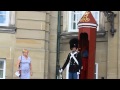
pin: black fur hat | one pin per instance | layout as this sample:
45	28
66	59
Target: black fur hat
73	43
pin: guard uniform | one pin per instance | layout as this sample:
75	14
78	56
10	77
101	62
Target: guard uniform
73	60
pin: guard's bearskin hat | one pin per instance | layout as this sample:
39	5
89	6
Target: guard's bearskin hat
73	43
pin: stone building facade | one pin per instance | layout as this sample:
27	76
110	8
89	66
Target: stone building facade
37	31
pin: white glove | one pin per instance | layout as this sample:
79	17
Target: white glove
61	70
78	72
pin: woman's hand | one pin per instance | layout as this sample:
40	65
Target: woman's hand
31	73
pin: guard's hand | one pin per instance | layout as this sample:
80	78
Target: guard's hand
78	72
77	50
82	67
61	70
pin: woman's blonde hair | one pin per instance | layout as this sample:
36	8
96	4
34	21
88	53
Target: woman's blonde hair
25	50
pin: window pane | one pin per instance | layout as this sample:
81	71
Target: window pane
96	15
74	25
2	19
71	26
71	20
1	73
78	15
2	12
74	16
1	64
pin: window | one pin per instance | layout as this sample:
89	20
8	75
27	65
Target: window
96	71
2	68
4	18
75	16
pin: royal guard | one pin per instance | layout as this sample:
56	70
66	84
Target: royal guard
73	61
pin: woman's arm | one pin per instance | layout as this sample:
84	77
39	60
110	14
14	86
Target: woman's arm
31	69
18	64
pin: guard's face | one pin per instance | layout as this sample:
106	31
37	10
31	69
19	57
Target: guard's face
74	49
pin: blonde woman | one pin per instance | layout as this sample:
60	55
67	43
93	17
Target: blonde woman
24	65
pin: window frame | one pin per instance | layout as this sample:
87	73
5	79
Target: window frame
7	20
4	68
76	30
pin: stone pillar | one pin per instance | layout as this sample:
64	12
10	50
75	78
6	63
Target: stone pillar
46	73
112	58
53	44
